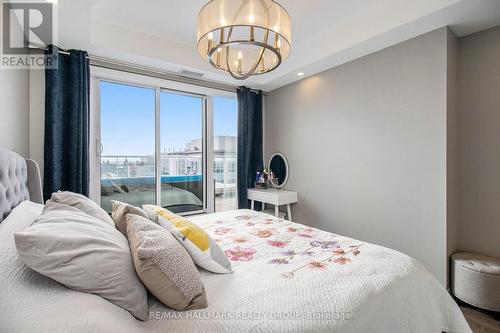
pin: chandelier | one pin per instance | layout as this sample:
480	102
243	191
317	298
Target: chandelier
244	37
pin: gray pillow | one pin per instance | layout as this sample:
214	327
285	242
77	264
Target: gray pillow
164	266
85	254
82	203
119	213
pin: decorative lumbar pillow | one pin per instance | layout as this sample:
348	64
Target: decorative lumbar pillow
164	266
202	248
119	214
83	203
85	254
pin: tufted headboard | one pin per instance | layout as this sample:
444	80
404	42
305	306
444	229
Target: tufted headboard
19	180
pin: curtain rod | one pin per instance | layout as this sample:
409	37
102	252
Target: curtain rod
108	63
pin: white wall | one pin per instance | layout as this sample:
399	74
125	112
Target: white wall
366	142
37	116
14	110
451	147
478	228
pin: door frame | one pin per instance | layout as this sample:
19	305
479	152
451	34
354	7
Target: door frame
99	74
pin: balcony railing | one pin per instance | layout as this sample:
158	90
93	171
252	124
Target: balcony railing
132	179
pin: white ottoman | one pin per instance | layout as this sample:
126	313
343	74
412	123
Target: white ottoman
475	279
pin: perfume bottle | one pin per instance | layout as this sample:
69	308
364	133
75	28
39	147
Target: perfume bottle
257	177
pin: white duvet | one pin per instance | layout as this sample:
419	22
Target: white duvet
287	278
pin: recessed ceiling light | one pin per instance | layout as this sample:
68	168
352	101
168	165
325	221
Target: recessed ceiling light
300	73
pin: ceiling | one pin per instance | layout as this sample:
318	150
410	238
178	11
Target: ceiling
325	33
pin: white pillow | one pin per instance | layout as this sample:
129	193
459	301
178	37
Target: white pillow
82	203
204	251
84	254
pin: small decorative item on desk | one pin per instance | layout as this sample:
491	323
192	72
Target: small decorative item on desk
273	180
261	179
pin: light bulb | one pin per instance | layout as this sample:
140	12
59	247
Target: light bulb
251	19
210	36
240	55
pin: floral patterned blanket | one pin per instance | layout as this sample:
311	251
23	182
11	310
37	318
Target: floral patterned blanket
291	277
294	247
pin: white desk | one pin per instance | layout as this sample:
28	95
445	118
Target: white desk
273	197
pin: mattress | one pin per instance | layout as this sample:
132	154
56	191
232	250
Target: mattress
287	277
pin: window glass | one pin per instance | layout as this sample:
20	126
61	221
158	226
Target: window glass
128	144
225	113
130	167
181	152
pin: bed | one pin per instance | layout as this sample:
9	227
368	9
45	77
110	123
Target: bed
288	277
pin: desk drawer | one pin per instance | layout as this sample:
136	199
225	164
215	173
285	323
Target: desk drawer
269	198
273	197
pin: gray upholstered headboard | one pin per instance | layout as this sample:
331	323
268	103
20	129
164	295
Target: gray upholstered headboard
19	180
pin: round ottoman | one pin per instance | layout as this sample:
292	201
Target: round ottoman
475	279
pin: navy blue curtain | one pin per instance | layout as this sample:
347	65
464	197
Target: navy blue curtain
67	94
249	141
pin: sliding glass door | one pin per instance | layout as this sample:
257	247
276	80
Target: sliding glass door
182	152
156	143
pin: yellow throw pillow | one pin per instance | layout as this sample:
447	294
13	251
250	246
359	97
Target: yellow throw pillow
200	246
191	231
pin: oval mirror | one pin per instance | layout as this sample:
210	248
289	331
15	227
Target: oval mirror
278	165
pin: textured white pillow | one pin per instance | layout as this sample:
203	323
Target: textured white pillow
84	254
164	266
82	203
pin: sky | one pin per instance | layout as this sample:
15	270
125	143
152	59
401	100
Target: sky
128	119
